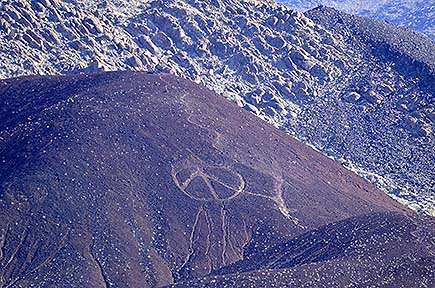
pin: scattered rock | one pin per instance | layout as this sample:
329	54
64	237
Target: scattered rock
373	97
416	127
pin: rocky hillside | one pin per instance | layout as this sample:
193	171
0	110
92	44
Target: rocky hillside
417	15
360	97
383	111
134	180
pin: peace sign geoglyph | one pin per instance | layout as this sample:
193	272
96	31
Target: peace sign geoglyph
208	183
203	182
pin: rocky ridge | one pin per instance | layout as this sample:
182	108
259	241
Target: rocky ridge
296	73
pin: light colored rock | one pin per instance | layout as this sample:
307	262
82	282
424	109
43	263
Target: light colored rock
272	21
163	41
146	43
45	3
352	97
32	39
93	25
52	36
373	97
273	58
300	91
218	48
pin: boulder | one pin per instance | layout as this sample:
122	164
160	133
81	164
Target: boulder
219	49
145	42
408	104
320	72
351	97
373	97
302	59
276	41
163	41
289	63
217	3
241	21
134	62
272	21
430	113
301	91
32	39
93	25
45	3
52	36
261	45
238	60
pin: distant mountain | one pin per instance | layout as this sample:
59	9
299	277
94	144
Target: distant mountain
417	15
359	90
344	5
135	180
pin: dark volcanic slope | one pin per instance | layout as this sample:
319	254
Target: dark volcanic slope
379	250
130	179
